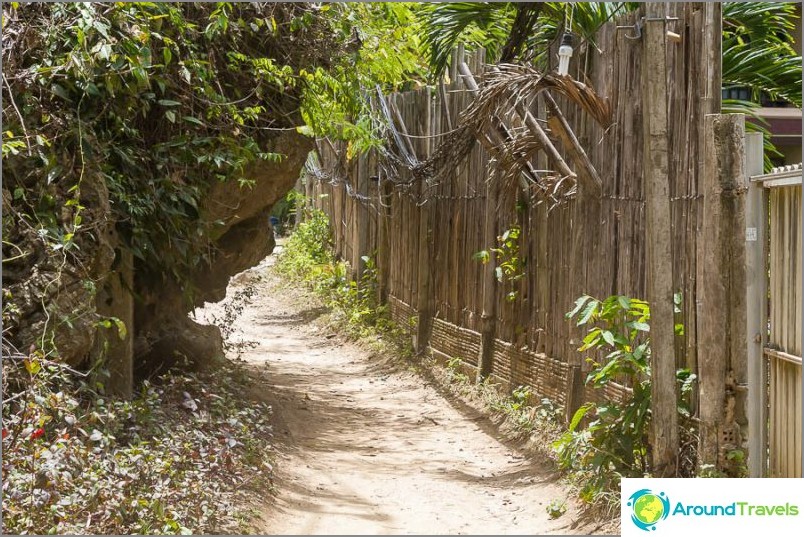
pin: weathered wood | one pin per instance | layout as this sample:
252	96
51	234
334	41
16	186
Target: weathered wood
558	124
756	218
545	142
587	244
664	413
426	302
489	313
384	203
723	299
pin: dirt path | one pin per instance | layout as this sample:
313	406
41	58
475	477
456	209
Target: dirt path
369	448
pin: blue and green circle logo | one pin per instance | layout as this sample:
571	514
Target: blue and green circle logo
648	508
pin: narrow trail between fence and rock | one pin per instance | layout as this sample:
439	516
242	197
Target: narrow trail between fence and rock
368	447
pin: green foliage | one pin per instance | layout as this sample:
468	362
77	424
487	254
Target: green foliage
609	440
382	50
308	258
474	24
175	460
454	371
758	55
556	508
308	252
157	102
489	25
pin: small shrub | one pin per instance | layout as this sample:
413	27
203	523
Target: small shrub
609	440
308	258
556	508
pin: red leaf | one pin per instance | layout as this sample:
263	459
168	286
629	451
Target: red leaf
37	433
5	432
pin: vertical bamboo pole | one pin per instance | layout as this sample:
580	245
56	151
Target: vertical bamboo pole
664	412
384	200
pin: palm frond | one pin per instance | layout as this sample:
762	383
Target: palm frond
475	24
765	22
765	68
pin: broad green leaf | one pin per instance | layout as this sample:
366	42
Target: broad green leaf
579	414
194	120
642	327
608	337
588	311
578	305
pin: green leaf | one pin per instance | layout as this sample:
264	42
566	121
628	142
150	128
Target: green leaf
578	305
608	337
168	102
305	130
588	312
121	328
579	414
101	28
32	367
194	120
636	325
60	91
483	256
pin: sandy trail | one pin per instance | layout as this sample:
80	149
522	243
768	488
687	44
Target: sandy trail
366	447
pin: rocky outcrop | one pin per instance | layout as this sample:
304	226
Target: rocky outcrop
241	237
53	296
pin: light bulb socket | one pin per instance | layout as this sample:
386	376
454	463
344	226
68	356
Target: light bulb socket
567	39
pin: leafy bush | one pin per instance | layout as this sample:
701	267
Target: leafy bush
509	269
609	440
176	459
308	258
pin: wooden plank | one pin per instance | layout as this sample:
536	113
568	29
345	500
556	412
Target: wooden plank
664	419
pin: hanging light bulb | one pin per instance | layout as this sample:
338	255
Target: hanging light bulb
565	53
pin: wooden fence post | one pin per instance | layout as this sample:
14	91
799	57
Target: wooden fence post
723	304
488	316
384	200
756	258
664	419
426	297
299	205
